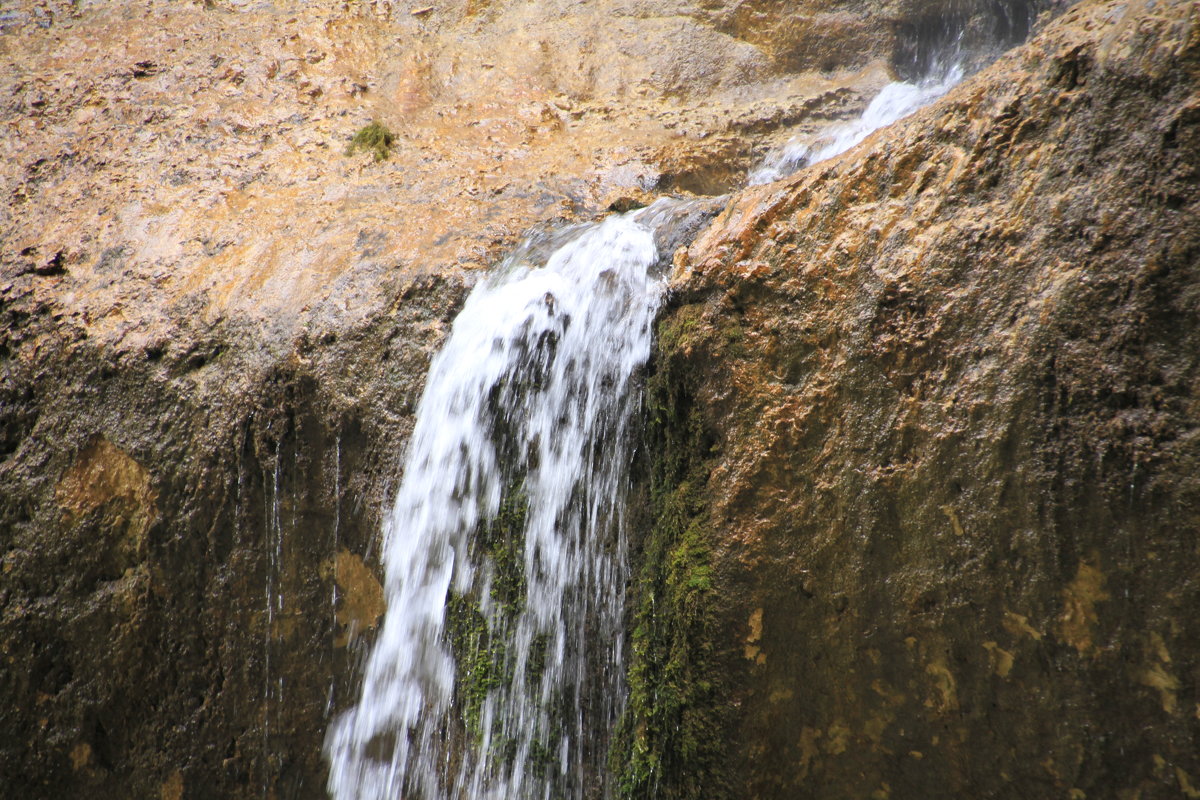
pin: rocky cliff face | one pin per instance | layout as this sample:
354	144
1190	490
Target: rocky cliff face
921	414
925	432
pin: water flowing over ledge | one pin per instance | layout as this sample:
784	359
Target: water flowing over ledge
947	382
893	103
498	671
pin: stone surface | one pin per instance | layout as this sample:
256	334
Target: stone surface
929	445
169	159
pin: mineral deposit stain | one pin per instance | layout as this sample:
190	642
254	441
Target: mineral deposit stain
1077	624
753	650
1002	660
361	595
104	475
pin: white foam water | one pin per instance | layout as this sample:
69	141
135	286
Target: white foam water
498	670
894	102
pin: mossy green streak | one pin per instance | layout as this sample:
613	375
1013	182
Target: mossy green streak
668	743
481	659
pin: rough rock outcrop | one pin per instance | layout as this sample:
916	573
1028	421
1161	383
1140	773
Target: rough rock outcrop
926	451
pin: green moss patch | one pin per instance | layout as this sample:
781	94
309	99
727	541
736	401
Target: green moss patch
479	658
668	743
480	645
372	138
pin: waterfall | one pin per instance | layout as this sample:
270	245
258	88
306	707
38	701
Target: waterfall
894	102
498	669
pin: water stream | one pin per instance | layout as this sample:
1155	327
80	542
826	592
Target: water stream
499	667
894	102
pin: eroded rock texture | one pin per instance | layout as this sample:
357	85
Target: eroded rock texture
926	466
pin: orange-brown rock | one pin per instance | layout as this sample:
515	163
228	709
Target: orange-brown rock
174	159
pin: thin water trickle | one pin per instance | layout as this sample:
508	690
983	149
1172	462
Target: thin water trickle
894	102
274	545
498	670
333	553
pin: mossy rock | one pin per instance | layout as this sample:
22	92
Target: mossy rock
668	741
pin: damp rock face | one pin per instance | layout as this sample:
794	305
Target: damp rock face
924	456
189	546
215	327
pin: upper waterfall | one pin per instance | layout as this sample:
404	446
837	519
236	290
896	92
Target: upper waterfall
894	102
498	672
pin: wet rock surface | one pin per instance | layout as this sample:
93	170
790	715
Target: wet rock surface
185	537
940	396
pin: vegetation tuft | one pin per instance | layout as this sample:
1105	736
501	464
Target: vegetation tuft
373	138
479	658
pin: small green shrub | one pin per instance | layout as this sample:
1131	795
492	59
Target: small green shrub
373	138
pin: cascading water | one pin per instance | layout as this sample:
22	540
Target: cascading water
498	669
498	672
896	101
